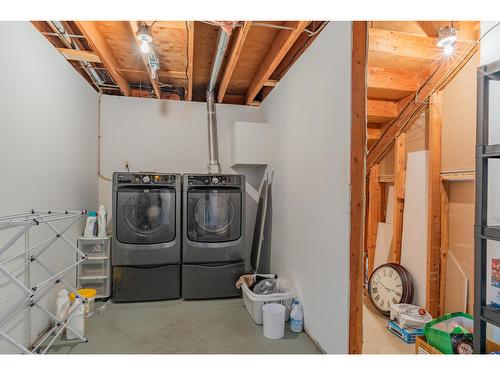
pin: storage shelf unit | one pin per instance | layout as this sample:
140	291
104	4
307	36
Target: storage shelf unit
95	271
483	312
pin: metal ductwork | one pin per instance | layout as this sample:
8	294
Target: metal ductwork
213	142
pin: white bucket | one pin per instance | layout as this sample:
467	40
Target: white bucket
274	320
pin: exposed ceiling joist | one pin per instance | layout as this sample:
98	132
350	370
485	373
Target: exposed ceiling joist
403	44
373	134
78	55
271	83
95	38
381	111
392	84
430	28
281	45
154	82
444	73
234	56
190	59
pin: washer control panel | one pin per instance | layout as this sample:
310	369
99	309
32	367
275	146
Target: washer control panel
146	178
214	180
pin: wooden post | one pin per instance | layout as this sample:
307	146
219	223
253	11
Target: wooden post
445	212
399	196
434	205
374	214
357	167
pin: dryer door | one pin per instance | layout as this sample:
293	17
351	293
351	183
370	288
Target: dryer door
145	216
214	214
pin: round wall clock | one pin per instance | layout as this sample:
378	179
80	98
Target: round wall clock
390	284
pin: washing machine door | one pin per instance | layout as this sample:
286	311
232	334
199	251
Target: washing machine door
214	215
145	216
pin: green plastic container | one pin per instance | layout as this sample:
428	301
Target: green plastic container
438	331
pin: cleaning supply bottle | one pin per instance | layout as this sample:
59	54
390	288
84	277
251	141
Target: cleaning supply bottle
62	304
101	222
76	319
296	317
91	225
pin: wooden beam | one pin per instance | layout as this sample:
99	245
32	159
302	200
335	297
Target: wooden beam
391	84
445	214
381	111
434	205
447	69
271	83
301	44
190	59
154	82
78	55
357	181
373	134
374	214
430	28
399	196
403	44
234	56
96	40
281	45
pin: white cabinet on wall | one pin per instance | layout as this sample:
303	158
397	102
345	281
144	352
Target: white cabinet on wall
250	144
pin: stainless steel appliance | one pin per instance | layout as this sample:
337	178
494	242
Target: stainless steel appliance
213	247
146	241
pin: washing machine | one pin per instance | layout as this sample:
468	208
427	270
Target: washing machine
213	241
146	240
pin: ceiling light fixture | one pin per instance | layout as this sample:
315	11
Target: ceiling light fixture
447	37
145	37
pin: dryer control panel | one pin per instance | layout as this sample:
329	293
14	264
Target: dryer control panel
146	179
214	180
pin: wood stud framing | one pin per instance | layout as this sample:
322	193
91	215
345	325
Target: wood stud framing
445	214
434	205
234	56
190	59
358	147
399	196
447	69
283	42
78	55
95	38
374	214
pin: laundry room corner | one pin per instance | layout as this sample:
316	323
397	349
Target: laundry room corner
146	134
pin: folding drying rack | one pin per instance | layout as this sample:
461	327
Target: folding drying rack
34	294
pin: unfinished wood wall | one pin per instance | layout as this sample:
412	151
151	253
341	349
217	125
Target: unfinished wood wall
457	158
459	120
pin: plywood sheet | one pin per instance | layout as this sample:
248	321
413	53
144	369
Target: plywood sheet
414	240
461	229
456	286
389	213
459	119
383	245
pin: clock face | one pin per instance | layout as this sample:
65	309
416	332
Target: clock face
385	288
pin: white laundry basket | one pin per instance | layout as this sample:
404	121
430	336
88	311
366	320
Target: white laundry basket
254	302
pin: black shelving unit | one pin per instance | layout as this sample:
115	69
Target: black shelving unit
483	312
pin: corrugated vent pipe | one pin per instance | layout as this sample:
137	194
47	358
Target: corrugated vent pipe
213	142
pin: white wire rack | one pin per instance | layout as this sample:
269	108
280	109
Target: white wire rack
34	294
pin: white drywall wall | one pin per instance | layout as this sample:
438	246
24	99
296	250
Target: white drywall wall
47	153
168	136
309	116
490	52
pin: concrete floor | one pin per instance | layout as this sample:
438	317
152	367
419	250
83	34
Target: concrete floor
376	338
171	327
